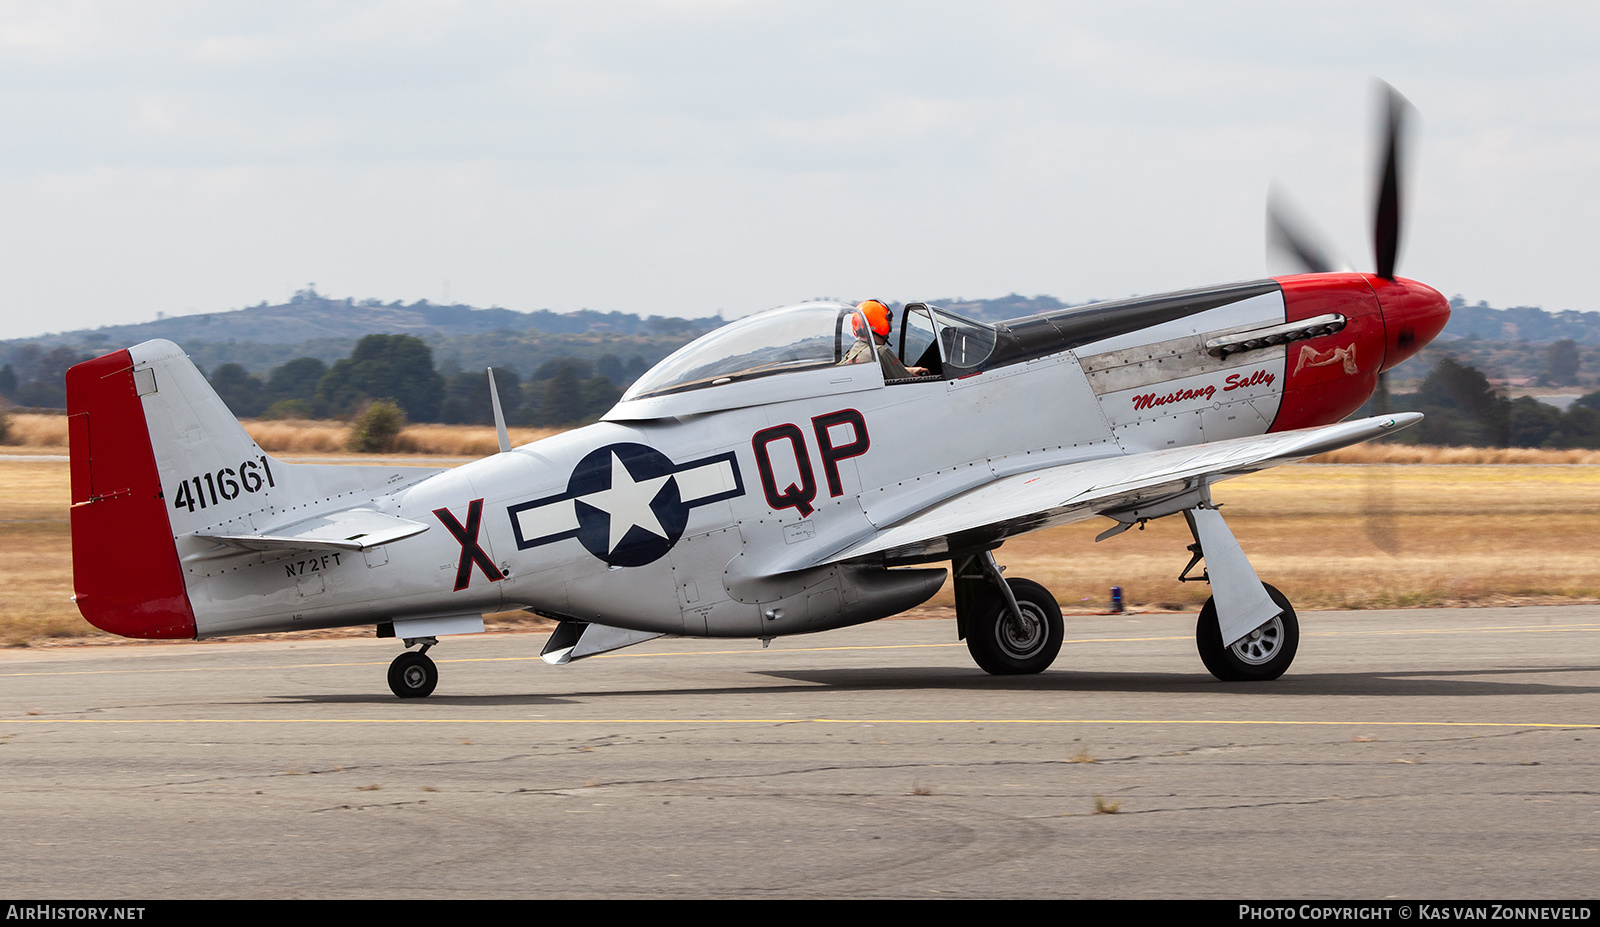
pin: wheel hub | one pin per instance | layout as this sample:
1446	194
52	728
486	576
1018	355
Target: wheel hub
415	677
1024	637
1262	644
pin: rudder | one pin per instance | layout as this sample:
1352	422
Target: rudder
125	570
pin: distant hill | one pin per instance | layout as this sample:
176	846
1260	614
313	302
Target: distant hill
1506	342
310	316
1521	323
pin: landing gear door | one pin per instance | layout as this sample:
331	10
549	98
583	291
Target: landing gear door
919	345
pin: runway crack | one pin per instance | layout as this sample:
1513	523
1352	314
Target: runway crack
387	804
1246	806
770	774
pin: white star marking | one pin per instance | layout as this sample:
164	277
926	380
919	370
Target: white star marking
627	502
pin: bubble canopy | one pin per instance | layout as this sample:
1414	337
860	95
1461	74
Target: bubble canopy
803	337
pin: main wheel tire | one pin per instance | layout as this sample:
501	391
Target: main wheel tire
413	675
1263	654
1002	646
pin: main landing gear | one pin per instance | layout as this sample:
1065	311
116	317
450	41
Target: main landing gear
414	675
1012	626
1247	630
1255	650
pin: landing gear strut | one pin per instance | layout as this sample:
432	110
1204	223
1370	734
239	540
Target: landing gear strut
1255	619
414	675
1012	626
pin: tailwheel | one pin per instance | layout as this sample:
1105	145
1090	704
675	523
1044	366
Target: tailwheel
1007	644
1263	654
413	675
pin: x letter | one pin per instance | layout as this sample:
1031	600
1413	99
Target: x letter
470	551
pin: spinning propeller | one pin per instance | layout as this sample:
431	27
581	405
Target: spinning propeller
1298	239
1290	232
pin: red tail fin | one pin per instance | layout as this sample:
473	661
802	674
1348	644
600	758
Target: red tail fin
124	565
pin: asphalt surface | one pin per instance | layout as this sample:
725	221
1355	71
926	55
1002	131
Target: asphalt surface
1407	755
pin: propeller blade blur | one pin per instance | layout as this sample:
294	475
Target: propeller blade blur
1380	524
1386	213
1294	236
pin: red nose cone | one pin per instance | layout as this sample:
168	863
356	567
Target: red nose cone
1413	315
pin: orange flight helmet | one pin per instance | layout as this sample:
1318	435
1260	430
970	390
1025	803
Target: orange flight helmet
878	316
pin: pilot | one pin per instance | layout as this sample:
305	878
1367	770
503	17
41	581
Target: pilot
881	320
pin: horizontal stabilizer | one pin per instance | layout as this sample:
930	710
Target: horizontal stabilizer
351	529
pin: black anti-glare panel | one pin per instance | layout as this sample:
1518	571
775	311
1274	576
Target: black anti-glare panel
1049	333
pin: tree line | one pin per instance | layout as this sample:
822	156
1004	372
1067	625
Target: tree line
399	368
1462	408
37	378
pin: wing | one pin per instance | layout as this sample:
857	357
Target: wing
1127	488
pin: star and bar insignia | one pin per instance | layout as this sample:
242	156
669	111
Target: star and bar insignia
627	504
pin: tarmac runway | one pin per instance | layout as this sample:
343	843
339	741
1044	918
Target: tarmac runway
1417	754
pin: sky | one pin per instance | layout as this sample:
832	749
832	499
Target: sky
714	156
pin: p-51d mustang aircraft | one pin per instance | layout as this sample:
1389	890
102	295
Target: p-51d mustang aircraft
764	480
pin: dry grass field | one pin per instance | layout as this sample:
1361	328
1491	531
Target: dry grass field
1464	535
298	437
1468	531
1426	454
36	554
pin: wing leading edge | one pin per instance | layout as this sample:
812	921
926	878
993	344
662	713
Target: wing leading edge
1148	485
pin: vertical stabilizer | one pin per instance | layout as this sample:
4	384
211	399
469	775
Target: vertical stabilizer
125	569
167	486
